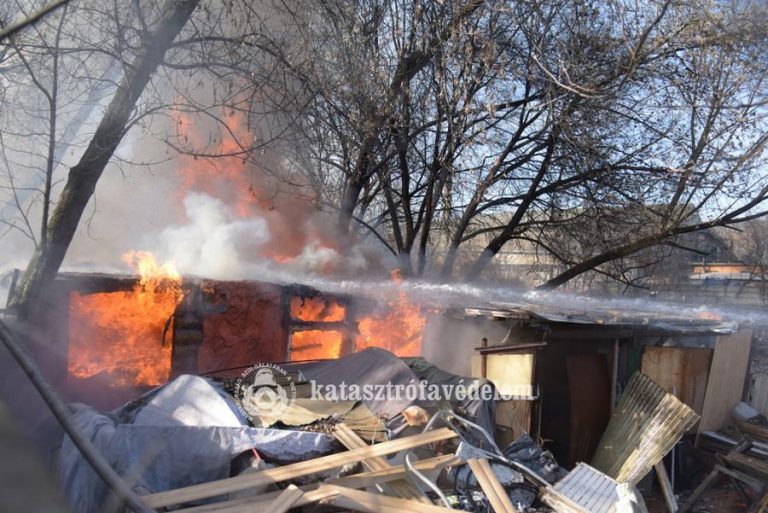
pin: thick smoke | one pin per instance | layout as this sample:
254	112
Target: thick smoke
214	243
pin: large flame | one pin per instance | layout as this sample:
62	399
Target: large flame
397	327
263	189
121	333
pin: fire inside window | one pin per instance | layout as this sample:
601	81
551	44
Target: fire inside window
318	328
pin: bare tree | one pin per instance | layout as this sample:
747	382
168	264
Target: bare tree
82	177
592	130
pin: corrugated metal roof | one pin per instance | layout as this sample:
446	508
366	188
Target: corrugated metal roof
662	317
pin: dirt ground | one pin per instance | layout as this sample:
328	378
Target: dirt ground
723	499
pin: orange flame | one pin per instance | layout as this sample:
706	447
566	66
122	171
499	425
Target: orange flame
398	327
121	333
316	309
316	344
253	189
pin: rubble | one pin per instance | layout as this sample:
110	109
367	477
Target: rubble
425	458
260	439
744	462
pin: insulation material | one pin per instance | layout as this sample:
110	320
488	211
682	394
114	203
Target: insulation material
586	490
511	373
645	426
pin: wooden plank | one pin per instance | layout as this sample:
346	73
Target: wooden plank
747	464
666	487
401	487
681	371
362	480
727	374
495	493
310	495
292	471
285	500
699	491
375	503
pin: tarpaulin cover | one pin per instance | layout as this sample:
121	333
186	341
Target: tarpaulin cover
184	435
472	406
377	366
372	366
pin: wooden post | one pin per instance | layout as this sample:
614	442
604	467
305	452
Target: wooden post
614	372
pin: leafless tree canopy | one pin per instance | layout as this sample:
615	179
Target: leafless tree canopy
592	130
445	131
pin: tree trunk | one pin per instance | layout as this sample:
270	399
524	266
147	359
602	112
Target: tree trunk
83	177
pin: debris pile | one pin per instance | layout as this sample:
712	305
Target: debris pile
741	456
265	441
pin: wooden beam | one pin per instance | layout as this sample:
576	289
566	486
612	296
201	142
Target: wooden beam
292	471
511	348
375	503
285	500
614	372
666	487
362	480
400	487
496	494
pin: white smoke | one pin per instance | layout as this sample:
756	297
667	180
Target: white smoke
214	243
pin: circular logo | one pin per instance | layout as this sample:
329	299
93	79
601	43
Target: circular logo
264	392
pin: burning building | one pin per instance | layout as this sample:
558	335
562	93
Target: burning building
116	334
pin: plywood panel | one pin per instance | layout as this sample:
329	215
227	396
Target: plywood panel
681	371
727	374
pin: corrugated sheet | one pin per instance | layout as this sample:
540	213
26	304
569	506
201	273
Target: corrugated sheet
645	426
586	490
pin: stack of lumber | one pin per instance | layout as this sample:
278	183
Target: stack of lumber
343	491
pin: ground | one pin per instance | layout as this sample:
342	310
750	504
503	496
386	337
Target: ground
722	499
